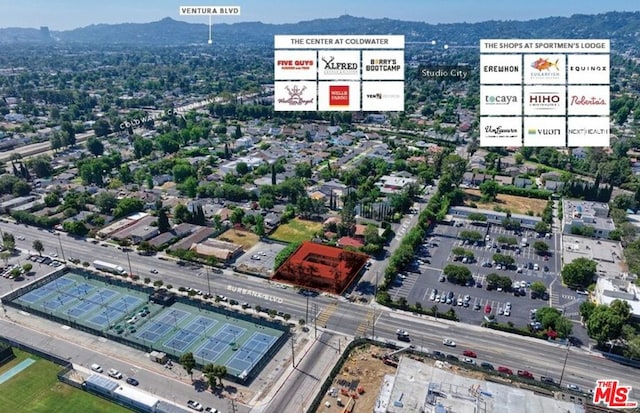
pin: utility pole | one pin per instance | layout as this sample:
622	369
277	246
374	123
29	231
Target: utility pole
128	259
293	355
208	282
232	403
315	318
566	357
306	317
373	326
61	249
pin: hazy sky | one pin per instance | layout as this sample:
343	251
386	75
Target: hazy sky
70	14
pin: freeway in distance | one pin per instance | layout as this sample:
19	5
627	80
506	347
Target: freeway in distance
349	318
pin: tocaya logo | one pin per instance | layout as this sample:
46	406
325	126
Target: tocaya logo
613	395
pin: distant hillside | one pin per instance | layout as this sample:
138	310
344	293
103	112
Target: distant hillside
623	28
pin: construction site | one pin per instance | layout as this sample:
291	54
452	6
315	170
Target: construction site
380	380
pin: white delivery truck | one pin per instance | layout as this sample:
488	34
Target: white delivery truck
108	267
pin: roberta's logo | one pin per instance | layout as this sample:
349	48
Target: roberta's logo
339	95
613	395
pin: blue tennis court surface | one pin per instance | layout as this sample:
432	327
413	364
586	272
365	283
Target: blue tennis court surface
60	301
40	293
155	329
251	352
116	310
217	344
80	290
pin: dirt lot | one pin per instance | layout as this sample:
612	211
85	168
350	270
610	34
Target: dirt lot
240	237
368	372
297	230
516	204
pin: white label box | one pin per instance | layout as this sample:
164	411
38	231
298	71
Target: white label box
502	69
545	131
500	100
588	69
545	69
295	96
338	96
385	96
295	65
544	100
383	64
588	100
588	131
500	131
339	65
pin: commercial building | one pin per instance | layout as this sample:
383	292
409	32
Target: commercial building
135	399
619	288
494	217
577	214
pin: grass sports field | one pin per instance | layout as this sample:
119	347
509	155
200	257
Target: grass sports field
515	204
296	230
37	389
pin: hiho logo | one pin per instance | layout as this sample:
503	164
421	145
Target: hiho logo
338	95
500	100
544	98
331	67
613	395
585	101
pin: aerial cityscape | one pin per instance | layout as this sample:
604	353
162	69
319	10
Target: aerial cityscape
206	210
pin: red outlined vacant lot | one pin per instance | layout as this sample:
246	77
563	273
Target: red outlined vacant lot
321	267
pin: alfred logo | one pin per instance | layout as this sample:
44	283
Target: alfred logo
338	95
584	101
331	67
613	395
500	100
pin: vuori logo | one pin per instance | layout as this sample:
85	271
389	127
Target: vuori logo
613	395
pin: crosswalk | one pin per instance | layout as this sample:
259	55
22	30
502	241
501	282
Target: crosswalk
365	324
326	314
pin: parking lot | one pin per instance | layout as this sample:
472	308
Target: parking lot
260	258
423	283
40	267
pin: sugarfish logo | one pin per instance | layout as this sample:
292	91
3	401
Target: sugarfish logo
331	67
500	100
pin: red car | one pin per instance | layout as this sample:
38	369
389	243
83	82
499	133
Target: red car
505	370
469	353
487	309
525	374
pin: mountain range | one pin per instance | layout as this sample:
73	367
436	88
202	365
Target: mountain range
623	28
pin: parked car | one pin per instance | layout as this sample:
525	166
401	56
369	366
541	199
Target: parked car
505	370
132	381
96	368
525	374
115	374
195	406
468	360
546	379
487	366
469	353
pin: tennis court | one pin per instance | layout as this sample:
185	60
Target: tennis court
154	330
251	352
241	343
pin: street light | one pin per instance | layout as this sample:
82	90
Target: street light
566	357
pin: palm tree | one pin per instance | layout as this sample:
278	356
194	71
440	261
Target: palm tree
37	245
219	371
188	362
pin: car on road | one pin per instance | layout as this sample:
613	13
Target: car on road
113	373
195	406
468	360
469	353
132	381
448	342
96	368
487	366
211	409
153	271
573	387
505	370
546	379
525	374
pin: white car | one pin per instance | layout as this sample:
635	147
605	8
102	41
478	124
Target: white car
573	387
432	296
115	374
448	342
401	332
507	312
468	360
